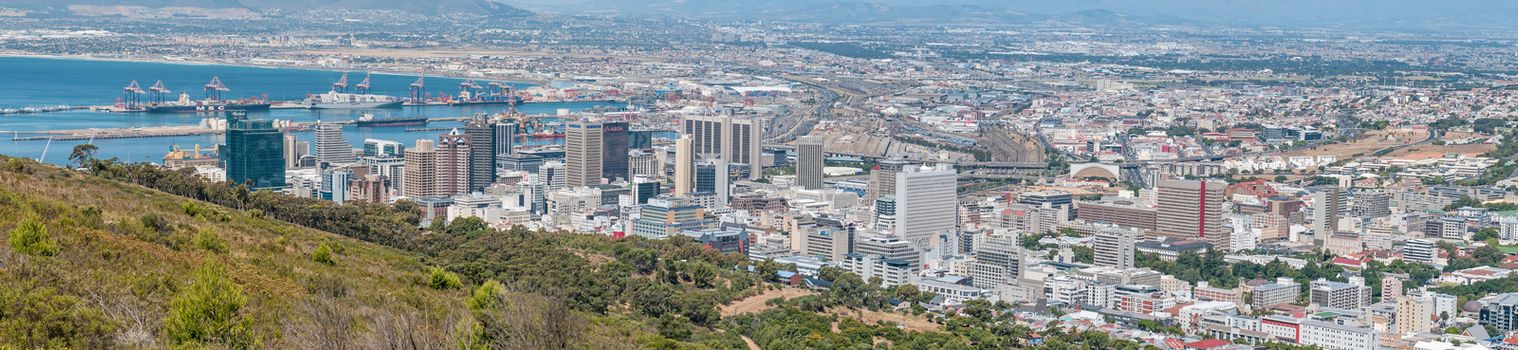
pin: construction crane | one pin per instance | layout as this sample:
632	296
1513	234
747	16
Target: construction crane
215	88
418	90
158	91
341	85
132	95
363	86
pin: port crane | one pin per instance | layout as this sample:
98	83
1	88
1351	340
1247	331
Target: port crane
363	86
341	85
158	91
215	88
470	89
418	90
131	95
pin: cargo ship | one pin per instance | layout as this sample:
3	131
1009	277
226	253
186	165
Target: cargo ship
369	121
185	105
339	98
212	103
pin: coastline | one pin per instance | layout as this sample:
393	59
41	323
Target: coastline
202	62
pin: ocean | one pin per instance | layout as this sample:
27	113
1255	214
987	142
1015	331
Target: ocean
40	81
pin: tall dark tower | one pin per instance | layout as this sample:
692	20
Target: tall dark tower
614	150
482	138
255	152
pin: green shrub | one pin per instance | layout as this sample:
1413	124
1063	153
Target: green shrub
210	311
210	242
323	254
31	238
442	279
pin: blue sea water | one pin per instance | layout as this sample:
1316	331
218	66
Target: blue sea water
38	81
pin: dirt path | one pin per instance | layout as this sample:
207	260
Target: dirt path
751	344
756	303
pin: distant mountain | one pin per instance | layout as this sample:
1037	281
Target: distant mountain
1399	15
431	7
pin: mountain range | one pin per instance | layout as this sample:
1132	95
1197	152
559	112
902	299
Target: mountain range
430	7
1397	15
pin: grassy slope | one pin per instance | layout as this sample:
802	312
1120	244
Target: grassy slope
128	271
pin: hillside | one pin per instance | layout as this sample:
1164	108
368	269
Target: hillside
120	266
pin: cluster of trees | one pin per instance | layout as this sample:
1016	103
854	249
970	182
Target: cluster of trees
1211	267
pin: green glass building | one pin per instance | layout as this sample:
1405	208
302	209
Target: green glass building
254	152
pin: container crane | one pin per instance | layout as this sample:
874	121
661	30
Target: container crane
341	85
363	86
132	95
158	91
215	88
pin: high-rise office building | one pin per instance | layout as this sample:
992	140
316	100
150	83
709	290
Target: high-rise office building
885	213
482	152
1192	210
421	170
582	154
712	177
294	150
331	147
737	140
926	203
1113	246
553	172
883	181
454	150
505	137
614	164
645	164
684	163
809	162
1327	208
254	152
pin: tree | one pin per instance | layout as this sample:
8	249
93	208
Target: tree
31	238
210	312
437	278
323	254
83	154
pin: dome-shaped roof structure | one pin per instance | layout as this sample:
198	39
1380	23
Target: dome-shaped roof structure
1471	306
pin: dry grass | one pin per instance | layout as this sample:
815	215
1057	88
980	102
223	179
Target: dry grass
1365	145
757	303
907	322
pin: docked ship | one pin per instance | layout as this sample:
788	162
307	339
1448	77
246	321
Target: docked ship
212	102
185	105
369	121
340	98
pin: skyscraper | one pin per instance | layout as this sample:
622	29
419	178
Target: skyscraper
294	150
482	152
1190	209
421	171
926	203
1327	207
331	147
614	150
454	150
505	137
809	162
998	262
254	152
582	154
737	140
684	161
643	189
